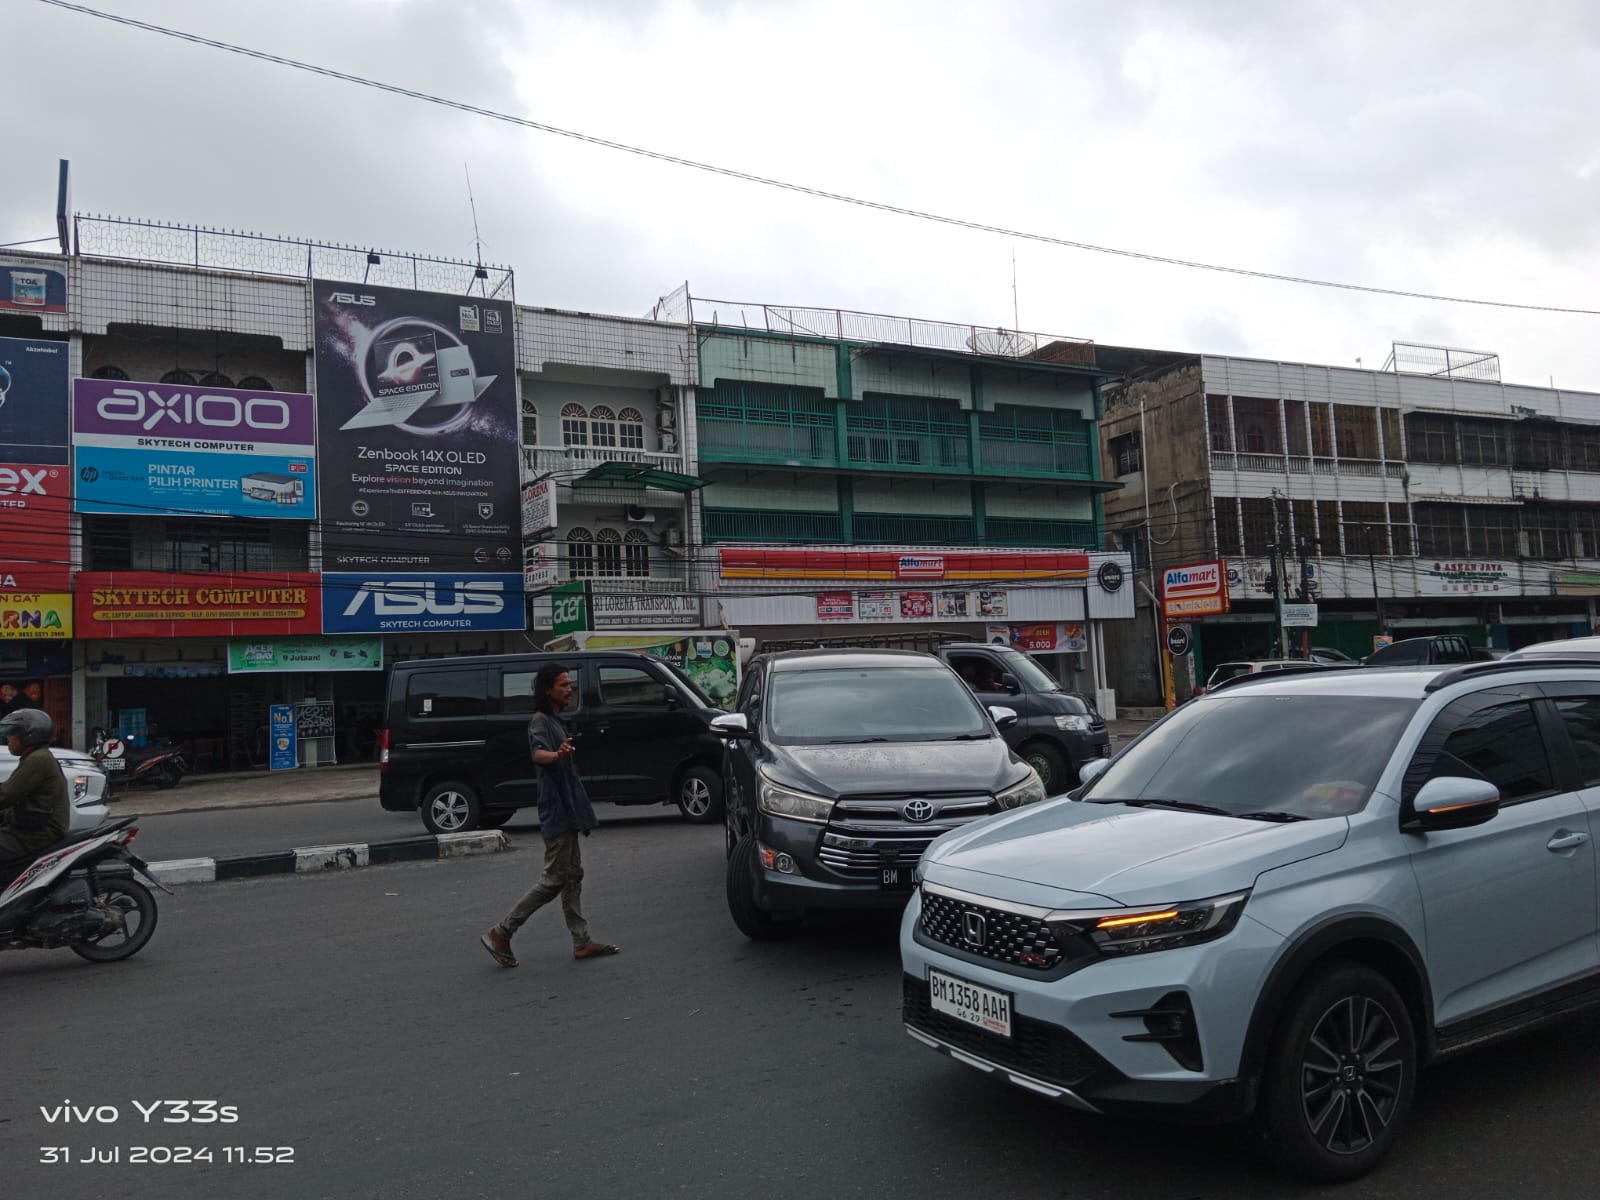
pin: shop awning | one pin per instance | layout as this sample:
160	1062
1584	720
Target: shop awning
641	474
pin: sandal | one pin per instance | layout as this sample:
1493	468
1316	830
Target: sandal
595	950
502	953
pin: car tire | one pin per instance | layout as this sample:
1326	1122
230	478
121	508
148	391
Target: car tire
1339	1077
1051	766
755	922
451	807
700	796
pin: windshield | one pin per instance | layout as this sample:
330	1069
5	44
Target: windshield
897	704
1027	669
688	685
1299	755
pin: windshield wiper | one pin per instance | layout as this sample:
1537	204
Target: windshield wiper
968	737
855	741
1209	809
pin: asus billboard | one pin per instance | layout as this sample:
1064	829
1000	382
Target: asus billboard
417	419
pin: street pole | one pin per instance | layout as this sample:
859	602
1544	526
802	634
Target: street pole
1372	565
1278	582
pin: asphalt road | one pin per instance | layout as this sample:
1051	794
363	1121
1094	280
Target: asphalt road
354	1019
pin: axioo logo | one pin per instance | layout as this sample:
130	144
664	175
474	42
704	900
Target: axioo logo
148	408
426	598
23	481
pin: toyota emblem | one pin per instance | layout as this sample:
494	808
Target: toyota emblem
917	810
974	930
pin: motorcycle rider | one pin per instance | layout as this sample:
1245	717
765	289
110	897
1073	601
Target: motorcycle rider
34	806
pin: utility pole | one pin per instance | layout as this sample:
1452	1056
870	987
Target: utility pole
1279	583
1372	566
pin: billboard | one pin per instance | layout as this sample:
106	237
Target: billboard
305	654
35	615
150	604
165	448
418	425
33	285
33	401
1195	590
35	543
406	602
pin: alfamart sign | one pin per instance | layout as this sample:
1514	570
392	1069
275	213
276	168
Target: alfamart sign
1195	590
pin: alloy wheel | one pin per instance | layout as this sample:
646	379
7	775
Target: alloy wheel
1351	1075
450	810
696	797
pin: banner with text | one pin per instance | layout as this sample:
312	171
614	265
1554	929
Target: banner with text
33	401
305	654
32	284
400	602
148	604
418	427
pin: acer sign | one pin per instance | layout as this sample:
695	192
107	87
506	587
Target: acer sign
35	508
152	448
399	602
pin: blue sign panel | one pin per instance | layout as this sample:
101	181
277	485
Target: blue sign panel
284	753
403	602
33	401
139	482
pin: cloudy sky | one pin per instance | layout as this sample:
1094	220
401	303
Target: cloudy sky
1449	147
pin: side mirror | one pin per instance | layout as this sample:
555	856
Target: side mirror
731	725
1009	682
1004	717
1452	802
1092	770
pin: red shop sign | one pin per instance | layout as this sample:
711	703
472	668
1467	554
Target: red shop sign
147	604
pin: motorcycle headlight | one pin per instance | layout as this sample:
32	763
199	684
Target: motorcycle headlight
1074	722
1029	791
1118	931
778	801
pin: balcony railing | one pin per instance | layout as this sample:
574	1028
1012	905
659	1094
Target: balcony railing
565	461
1299	464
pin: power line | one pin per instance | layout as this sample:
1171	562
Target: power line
801	189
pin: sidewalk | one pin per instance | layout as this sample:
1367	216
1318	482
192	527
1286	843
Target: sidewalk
249	789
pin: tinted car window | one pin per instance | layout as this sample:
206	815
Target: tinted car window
1033	676
516	690
446	694
1581	716
1502	745
912	704
1214	753
631	687
1229	671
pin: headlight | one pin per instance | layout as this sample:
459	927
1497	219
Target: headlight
1075	723
1029	791
80	787
778	801
1141	930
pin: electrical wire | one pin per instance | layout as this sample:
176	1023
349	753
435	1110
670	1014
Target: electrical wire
798	188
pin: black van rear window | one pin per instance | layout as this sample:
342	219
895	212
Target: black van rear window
440	694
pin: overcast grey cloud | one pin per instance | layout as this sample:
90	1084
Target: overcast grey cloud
1438	147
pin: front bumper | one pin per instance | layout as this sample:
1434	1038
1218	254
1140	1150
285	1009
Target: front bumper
1078	1038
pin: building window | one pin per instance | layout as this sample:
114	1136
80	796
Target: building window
1366	527
574	425
113	373
1217	422
530	423
1483	444
1225	510
254	383
216	546
580	553
1258	526
1125	454
1545	534
1492	531
608	553
1357	429
1539	447
179	378
630	429
215	379
636	554
1255	425
1440	529
1400	529
602	427
1431	439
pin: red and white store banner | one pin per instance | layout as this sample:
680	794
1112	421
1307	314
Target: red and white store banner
871	563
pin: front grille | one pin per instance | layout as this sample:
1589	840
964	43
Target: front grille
1007	937
868	833
1035	1048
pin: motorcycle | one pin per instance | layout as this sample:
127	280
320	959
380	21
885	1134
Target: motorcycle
81	893
162	764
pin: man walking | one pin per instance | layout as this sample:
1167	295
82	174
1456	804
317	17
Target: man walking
564	813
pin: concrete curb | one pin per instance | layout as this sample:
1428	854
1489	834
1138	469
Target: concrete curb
317	860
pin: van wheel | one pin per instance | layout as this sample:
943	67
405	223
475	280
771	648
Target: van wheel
700	796
1052	768
755	922
1339	1077
451	807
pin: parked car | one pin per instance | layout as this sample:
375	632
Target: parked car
1223	672
86	784
1327	654
1578	647
1440	650
1284	928
1056	731
842	766
454	746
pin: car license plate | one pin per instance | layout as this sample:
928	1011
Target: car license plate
896	878
115	764
970	1002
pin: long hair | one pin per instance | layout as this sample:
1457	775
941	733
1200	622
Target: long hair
543	682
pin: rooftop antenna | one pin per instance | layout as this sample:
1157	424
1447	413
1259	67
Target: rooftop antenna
477	241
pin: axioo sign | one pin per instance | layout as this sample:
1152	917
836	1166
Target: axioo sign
1195	590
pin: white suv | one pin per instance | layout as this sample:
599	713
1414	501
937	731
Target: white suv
86	785
1278	903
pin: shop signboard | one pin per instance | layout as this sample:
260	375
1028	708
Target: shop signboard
250	656
971	566
709	657
33	401
836	606
539	567
148	448
642	609
28	615
148	604
33	284
1047	637
284	753
35	519
1299	616
407	602
1195	590
569	608
538	507
418	426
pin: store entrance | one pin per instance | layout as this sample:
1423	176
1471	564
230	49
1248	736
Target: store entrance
190	712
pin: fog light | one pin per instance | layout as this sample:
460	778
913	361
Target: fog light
769	856
786	864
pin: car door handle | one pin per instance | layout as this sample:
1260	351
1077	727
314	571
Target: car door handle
1566	840
603	727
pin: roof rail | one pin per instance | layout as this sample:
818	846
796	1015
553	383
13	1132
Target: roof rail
1279	673
1466	671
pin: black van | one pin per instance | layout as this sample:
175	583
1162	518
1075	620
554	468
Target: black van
454	745
1056	731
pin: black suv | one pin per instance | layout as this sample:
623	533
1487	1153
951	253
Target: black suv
1056	731
454	746
842	766
1438	651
